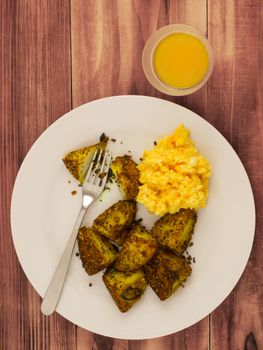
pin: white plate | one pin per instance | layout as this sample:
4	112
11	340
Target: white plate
43	212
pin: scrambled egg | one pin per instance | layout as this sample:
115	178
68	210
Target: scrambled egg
173	175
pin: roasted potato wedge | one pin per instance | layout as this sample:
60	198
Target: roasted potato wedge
138	248
114	222
166	272
96	252
174	231
77	162
127	176
125	287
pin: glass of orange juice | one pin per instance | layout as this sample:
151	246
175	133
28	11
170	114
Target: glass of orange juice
177	59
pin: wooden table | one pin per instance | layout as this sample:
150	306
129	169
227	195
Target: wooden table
56	55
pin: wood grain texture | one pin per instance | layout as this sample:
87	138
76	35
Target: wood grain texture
107	43
56	55
35	90
235	108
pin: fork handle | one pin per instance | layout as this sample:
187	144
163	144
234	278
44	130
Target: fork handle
55	286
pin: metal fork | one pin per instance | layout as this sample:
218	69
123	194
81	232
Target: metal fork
92	187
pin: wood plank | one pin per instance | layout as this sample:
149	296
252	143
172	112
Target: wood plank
35	90
107	42
235	108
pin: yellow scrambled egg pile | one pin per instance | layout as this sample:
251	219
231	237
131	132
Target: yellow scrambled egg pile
173	175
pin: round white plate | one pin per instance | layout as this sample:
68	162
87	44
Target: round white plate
43	212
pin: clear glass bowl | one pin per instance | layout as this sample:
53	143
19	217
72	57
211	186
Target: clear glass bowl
147	59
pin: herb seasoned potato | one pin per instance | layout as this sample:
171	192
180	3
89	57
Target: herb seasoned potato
137	249
166	272
96	252
127	175
125	287
114	222
77	162
174	231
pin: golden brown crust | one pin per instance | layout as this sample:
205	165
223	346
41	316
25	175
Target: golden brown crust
174	231
137	249
114	222
127	175
166	272
96	252
78	161
126	288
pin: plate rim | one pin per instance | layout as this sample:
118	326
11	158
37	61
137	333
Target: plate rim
68	115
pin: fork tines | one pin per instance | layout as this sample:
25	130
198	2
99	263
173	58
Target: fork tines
99	167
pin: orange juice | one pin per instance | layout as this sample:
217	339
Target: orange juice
180	60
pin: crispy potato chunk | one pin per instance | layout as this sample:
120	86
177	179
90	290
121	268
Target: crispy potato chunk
77	162
125	287
174	231
137	249
96	252
114	222
166	272
127	175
